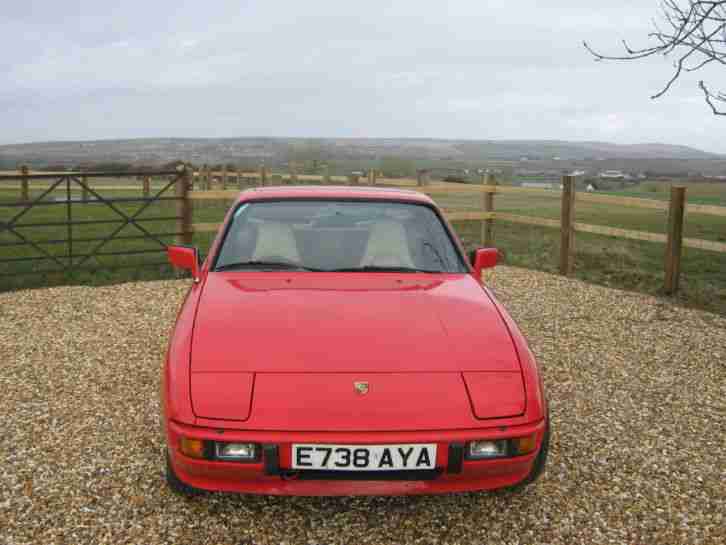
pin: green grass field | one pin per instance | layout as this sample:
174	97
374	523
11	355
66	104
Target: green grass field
548	206
698	192
627	264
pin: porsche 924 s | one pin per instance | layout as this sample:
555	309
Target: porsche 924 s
337	341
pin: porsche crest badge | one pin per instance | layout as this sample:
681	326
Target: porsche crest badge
361	388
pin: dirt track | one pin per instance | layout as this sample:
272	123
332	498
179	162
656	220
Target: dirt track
637	389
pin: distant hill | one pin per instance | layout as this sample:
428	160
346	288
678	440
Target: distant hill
548	149
279	150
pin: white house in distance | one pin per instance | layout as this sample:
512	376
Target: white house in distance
612	174
538	185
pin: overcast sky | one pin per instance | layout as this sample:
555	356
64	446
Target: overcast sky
475	69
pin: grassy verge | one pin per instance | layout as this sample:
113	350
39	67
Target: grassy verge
697	192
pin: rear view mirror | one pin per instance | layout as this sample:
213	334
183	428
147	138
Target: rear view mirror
484	258
184	257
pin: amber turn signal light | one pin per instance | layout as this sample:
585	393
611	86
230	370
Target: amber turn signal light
194	448
526	444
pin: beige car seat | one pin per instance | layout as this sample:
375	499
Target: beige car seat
276	240
387	246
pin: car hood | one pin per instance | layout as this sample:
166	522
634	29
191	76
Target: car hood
290	352
349	322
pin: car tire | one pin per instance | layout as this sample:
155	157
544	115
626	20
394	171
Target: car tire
177	485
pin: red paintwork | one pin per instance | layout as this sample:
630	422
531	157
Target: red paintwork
270	357
485	258
327	401
496	395
185	258
231	399
420	322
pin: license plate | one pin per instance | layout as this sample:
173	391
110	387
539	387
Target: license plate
364	457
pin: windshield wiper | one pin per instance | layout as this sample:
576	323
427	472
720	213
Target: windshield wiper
378	268
427	244
260	264
284	265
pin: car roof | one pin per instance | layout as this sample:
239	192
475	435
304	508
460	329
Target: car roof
334	192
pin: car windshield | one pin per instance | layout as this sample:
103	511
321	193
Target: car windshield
373	236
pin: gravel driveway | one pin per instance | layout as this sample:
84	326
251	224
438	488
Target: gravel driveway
637	389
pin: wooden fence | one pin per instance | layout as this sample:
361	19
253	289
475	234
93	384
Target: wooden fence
209	185
673	238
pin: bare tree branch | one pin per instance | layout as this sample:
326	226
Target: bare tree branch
695	32
711	98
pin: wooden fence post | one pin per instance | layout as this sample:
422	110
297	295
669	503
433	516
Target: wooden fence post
422	177
238	173
147	186
24	184
224	177
676	211
184	208
326	174
207	177
84	191
263	175
567	227
487	226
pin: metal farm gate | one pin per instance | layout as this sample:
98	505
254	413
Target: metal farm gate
70	222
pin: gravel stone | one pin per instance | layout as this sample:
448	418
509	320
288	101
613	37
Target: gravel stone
637	390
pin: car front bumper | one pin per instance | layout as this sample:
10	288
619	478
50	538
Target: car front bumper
271	474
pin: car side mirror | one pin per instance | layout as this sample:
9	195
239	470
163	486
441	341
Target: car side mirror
483	258
184	257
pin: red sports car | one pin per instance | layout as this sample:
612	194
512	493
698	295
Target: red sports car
336	341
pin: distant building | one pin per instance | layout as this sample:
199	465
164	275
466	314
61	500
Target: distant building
612	174
538	185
